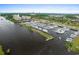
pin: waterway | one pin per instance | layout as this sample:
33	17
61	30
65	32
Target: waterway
21	41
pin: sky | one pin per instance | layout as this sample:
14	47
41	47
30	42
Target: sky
42	8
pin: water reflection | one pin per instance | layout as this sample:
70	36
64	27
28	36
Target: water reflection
20	40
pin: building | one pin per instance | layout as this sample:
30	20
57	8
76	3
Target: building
26	18
16	17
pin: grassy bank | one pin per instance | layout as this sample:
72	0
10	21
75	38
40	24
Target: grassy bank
74	45
1	51
44	34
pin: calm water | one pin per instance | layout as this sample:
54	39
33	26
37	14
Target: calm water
23	41
19	40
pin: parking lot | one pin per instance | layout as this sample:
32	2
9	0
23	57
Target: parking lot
62	33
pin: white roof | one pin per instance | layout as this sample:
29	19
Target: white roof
73	35
60	31
69	39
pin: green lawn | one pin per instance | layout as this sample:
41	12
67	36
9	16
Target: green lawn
1	51
75	45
